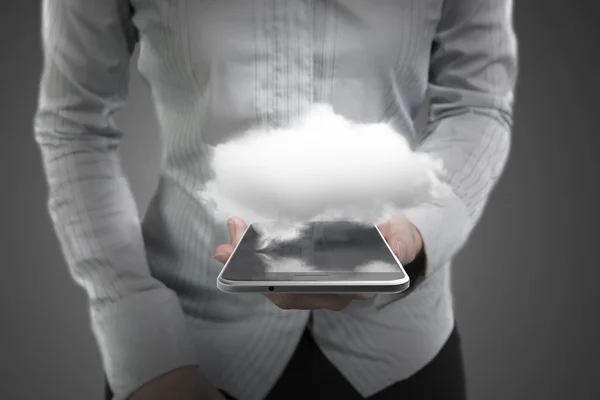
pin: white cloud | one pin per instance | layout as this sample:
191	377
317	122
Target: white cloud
323	168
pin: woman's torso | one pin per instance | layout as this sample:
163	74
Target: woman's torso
218	68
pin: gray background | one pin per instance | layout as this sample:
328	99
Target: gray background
526	285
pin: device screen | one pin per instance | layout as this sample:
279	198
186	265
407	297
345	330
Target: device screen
321	251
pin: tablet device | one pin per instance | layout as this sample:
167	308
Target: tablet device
325	257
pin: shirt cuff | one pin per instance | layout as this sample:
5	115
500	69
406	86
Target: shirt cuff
141	338
444	227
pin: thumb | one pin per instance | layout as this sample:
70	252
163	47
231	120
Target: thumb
399	248
400	238
236	227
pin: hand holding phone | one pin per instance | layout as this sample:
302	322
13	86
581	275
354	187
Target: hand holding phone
287	301
398	233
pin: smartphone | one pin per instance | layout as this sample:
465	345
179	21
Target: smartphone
324	257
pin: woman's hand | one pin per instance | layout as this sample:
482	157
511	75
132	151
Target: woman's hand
186	383
403	237
400	234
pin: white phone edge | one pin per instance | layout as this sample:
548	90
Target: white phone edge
359	287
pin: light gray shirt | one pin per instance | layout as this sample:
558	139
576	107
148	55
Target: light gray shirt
218	68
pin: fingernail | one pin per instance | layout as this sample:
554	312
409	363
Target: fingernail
399	249
219	255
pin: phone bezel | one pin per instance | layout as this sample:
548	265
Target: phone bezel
303	284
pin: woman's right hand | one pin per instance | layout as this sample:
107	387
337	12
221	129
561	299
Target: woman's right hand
287	301
186	383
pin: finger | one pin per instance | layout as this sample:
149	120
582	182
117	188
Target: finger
231	229
299	301
330	297
384	228
392	236
310	301
362	296
223	252
399	248
399	237
403	248
236	227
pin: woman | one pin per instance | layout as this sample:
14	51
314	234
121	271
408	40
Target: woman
217	68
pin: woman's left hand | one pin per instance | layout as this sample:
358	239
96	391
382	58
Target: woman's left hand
403	237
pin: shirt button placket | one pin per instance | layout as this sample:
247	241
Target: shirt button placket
305	87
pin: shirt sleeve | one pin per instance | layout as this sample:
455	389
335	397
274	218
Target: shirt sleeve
138	322
472	78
